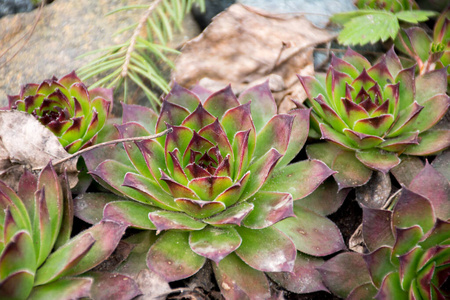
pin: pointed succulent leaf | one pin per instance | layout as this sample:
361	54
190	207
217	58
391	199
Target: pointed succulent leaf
214	243
42	229
198	208
341	140
299	134
400	143
378	159
266	249
380	73
436	188
311	173
172	114
18	255
393	62
147	191
215	134
89	207
164	220
243	114
263	105
208	188
350	171
406	239
364	291
431	142
67	288
182	97
344	272
441	163
331	115
311	233
408	266
304	278
221	101
377	230
362	140
237	280
241	153
140	114
379	264
356	60
178	190
232	216
129	213
375	125
154	157
198	119
430	84
343	66
312	86
406	117
260	171
412	209
62	260
129	130
172	258
113	286
107	235
23	279
269	208
391	288
275	134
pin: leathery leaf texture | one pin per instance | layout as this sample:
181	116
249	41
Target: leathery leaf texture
375	113
409	247
219	187
66	107
36	252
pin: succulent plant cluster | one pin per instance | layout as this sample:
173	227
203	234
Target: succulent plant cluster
66	107
37	256
218	187
377	112
409	247
429	53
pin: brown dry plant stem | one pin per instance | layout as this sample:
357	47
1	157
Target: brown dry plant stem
135	35
133	139
26	36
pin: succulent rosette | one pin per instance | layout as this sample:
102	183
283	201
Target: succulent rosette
218	187
66	107
374	113
389	5
34	222
409	247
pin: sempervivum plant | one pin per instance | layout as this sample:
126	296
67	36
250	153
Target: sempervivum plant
389	5
377	112
66	107
409	247
33	223
219	187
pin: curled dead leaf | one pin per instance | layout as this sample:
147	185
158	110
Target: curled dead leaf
26	143
243	46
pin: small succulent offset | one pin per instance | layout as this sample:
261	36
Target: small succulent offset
33	223
409	247
219	187
388	5
430	53
66	107
377	112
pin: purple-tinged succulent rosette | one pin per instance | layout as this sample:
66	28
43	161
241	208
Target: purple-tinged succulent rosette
409	247
375	113
66	107
38	259
218	187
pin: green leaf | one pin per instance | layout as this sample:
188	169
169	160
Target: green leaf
369	28
68	288
415	16
172	258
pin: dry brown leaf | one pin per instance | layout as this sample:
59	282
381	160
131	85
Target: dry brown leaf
26	143
243	47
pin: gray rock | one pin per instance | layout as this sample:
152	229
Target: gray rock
317	11
8	7
66	30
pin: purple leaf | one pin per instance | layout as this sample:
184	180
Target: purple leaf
379	264
198	208
198	119
182	97
140	114
377	230
164	220
113	286
232	216
344	272
67	288
275	134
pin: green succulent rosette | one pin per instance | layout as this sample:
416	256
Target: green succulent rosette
37	257
409	247
373	114
218	187
66	107
388	5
